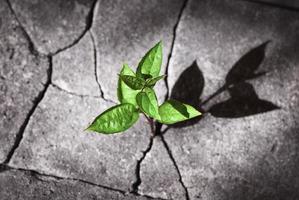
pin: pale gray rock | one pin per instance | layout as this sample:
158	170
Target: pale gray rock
284	3
74	68
23	76
55	142
159	177
230	153
53	25
16	185
126	31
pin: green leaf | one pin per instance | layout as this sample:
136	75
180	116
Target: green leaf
173	111
132	81
116	119
150	64
124	93
152	81
147	102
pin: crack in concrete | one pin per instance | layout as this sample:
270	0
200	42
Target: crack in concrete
172	46
176	166
102	94
31	45
158	126
89	23
72	93
36	101
136	184
33	50
4	167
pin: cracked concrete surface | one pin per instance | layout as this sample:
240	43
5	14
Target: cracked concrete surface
53	25
55	142
39	187
58	70
22	79
71	65
158	174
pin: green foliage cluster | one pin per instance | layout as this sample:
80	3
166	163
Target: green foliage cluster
136	95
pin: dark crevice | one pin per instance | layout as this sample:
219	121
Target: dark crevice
176	166
172	46
36	101
3	168
72	93
89	23
95	52
138	181
37	174
31	45
158	128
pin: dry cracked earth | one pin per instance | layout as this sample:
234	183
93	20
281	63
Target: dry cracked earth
237	61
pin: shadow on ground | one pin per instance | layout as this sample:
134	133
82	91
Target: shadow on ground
243	100
263	180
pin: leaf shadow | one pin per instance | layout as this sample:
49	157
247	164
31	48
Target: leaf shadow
188	89
243	102
245	68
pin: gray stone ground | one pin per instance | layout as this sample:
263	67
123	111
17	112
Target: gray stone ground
58	69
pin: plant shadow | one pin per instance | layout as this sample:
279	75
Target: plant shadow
243	100
188	89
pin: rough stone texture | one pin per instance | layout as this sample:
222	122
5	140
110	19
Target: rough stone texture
285	3
22	78
244	147
16	185
55	142
125	32
158	174
74	69
248	157
217	39
53	25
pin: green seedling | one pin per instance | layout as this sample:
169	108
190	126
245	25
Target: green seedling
136	95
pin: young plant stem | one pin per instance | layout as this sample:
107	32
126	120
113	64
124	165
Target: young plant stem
151	123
